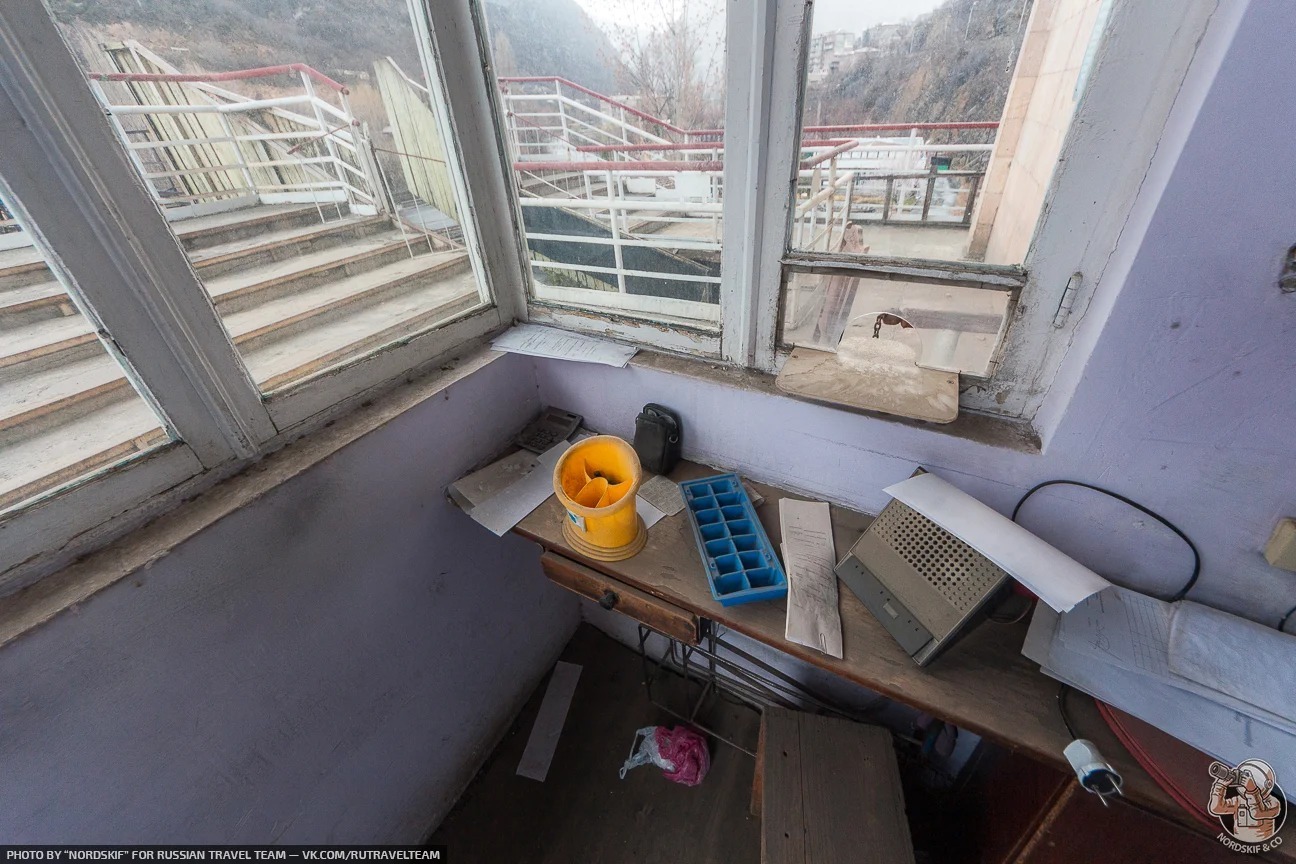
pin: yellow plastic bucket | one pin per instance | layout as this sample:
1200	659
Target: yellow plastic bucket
597	480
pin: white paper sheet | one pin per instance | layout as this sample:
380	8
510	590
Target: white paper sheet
647	512
1122	627
1059	581
1209	726
1234	657
511	505
813	616
537	341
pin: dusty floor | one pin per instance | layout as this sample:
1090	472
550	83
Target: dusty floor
582	811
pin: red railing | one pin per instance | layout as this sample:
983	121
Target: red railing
215	77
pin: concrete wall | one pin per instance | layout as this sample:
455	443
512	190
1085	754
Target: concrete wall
328	664
1180	391
1036	116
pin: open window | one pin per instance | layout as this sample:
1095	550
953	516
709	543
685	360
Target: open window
928	144
614	116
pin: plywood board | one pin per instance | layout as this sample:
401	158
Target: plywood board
872	375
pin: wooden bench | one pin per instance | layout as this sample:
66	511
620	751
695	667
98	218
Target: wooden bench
828	791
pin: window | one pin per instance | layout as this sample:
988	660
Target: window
232	224
69	406
909	153
228	220
614	115
303	167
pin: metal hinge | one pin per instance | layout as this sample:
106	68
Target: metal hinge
1068	298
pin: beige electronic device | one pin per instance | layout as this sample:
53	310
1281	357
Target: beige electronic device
924	584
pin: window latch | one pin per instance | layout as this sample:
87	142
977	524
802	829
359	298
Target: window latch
1068	298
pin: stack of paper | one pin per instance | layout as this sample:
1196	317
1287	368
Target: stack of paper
1116	646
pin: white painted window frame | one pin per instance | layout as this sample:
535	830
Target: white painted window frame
1138	69
92	217
1133	81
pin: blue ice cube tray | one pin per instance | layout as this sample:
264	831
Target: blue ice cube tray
740	562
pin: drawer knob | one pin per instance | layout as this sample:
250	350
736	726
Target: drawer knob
608	600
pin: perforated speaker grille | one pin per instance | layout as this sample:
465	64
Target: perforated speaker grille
958	572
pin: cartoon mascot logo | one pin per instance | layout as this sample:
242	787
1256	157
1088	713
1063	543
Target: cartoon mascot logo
1250	805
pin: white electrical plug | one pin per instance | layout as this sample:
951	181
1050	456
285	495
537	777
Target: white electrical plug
1092	770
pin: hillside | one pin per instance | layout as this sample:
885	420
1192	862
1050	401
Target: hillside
929	72
541	37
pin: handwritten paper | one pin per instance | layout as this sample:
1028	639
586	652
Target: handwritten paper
813	618
1059	581
664	494
537	341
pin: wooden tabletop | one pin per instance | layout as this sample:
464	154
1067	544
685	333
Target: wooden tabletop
982	683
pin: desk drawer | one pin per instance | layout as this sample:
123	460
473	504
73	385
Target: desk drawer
648	610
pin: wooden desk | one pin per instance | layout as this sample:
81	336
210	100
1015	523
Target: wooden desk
982	683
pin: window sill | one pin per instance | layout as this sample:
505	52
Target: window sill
48	596
1016	435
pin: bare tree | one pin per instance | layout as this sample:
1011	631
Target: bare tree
672	63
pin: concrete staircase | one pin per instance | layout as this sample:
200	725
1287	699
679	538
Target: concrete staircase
295	293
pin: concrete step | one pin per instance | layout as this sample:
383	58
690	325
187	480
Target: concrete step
236	292
27	286
39	397
38	392
203	232
112	431
49	340
286	360
22	266
38	301
343	298
283	244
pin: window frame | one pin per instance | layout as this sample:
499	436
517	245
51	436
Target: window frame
103	235
1134	78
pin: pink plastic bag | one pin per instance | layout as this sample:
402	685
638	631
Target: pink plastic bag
680	752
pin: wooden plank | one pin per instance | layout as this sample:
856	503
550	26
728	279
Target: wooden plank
871	375
853	805
782	814
548	726
648	610
982	683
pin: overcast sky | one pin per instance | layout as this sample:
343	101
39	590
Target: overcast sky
852	15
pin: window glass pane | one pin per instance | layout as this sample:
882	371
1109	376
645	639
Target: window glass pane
67	406
951	328
302	157
935	125
614	113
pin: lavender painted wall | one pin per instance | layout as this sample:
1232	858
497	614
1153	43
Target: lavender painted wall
1182	397
330	663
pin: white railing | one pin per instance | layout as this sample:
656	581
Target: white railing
655	185
202	146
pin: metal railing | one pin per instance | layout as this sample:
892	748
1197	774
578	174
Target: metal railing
198	143
893	181
654	185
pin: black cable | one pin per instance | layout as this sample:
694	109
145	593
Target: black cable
1196	570
1282	622
1062	709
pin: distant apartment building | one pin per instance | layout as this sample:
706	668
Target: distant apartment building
829	53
